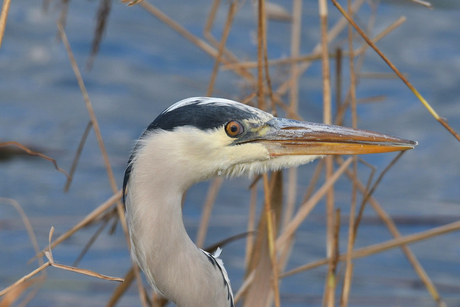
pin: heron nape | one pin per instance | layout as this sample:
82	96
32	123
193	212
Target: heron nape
199	138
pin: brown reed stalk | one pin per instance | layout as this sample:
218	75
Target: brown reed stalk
396	234
351	230
306	208
213	190
380	247
77	155
332	34
271	235
260	53
441	120
228	54
34	153
251	223
85	221
3	18
223	41
317	55
203	45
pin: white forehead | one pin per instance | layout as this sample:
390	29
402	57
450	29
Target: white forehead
217	102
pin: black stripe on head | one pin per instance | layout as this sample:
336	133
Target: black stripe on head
200	115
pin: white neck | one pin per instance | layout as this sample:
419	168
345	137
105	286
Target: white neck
172	263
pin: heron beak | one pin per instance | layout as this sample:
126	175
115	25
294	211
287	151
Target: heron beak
284	137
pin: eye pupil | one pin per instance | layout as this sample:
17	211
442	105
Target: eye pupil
234	128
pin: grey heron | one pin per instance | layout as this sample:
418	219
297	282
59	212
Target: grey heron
194	140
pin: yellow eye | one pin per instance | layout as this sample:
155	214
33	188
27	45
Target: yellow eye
234	129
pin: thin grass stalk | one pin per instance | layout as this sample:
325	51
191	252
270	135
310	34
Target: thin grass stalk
327	119
89	107
203	45
213	190
97	131
90	242
314	180
121	289
77	155
351	235
441	120
306	208
260	53
251	223
371	191
85	221
396	234
3	18
380	247
332	34
295	51
34	153
271	235
317	55
223	42
244	287
232	59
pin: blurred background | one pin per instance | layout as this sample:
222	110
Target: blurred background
143	66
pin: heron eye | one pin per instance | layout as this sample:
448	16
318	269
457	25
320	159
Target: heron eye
234	129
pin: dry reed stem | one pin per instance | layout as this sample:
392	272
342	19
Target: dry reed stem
351	234
3	18
361	53
89	107
317	55
210	50
77	155
34	153
371	99
121	288
51	262
223	41
251	223
371	191
97	131
313	180
331	277
207	210
85	221
27	225
332	34
260	294
291	196
271	235
260	53
11	296
295	51
380	247
90	242
306	208
327	119
208	35
441	120
378	75
424	3
396	234
24	278
244	287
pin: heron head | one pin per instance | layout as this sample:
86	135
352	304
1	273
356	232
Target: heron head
199	138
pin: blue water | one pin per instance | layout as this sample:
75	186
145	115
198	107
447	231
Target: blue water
143	67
